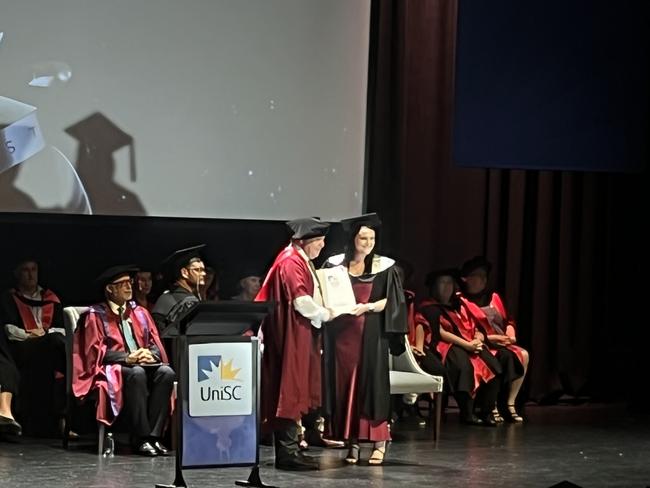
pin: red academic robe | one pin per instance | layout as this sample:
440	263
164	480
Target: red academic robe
99	333
481	318
291	363
460	323
51	306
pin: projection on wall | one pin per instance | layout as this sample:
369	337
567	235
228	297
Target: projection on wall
211	108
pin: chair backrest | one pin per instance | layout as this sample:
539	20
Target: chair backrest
71	317
406	361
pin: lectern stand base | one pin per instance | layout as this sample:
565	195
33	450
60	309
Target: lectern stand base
179	482
254	480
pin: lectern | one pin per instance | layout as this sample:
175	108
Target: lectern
217	399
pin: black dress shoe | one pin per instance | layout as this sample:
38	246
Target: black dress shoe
488	420
308	459
315	438
296	463
160	449
9	426
146	449
471	420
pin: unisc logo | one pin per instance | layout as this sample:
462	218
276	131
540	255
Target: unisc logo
219	375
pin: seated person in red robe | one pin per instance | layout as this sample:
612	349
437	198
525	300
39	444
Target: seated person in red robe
118	353
448	329
488	308
8	388
423	340
32	317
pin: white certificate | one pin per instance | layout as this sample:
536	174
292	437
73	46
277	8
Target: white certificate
337	289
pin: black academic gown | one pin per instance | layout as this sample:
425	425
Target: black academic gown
171	305
384	333
42	363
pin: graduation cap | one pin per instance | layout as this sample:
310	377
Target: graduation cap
475	263
97	132
307	228
432	276
179	259
249	271
109	275
370	220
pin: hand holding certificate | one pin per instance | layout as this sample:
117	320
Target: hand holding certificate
337	289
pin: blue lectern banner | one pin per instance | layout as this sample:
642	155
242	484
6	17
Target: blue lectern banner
219	417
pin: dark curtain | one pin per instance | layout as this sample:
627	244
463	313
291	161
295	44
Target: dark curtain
565	246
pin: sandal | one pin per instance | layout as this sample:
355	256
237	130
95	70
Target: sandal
353	454
514	416
377	457
498	418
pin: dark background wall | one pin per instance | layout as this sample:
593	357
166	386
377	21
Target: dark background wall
74	249
566	246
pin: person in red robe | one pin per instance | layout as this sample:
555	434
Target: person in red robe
358	343
291	364
489	310
117	353
445	325
32	316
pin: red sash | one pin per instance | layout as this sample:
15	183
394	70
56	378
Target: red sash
480	316
461	324
48	299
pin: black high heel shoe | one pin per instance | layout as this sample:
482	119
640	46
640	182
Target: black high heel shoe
10	426
513	416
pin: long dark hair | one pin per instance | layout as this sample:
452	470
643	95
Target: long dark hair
350	250
454	299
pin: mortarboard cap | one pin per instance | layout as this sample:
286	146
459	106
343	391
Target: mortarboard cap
369	220
179	259
109	275
248	271
475	263
308	228
97	132
432	276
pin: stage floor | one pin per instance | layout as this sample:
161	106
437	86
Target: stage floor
589	445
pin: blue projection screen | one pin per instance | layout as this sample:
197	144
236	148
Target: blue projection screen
552	85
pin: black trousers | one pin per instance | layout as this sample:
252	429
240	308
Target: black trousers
286	440
8	372
147	392
42	395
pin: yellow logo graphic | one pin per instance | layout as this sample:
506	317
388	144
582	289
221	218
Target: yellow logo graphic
228	372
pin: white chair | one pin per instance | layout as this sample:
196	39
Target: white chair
406	377
71	316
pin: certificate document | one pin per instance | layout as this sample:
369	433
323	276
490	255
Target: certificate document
337	289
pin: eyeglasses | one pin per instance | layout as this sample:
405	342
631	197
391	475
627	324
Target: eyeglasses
123	283
199	269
